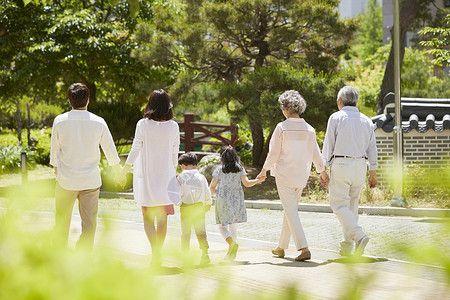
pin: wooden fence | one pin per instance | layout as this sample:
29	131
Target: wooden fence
197	133
206	131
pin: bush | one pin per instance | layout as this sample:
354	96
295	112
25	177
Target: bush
41	153
42	114
427	184
10	159
121	117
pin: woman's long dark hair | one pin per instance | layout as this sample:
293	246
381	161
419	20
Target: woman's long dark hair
230	161
159	106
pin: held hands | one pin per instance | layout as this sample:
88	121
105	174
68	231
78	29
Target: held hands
121	177
262	176
324	178
260	179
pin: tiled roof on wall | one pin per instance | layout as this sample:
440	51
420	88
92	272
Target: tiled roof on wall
417	113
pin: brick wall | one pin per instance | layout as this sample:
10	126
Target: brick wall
430	149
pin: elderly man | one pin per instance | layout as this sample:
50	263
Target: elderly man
349	140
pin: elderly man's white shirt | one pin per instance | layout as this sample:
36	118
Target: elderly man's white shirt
75	149
350	133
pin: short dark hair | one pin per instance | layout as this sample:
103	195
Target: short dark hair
159	106
230	161
78	95
188	159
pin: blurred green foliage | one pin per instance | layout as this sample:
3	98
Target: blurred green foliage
34	265
426	183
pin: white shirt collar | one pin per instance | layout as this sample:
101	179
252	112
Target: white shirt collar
350	108
79	110
300	120
190	171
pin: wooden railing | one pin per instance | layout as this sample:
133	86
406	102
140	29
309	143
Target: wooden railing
197	133
189	128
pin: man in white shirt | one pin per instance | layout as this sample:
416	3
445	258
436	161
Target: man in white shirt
349	139
75	154
195	201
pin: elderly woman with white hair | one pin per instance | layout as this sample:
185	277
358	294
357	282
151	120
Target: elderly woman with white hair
293	147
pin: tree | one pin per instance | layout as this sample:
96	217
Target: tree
234	42
412	15
44	46
369	36
439	42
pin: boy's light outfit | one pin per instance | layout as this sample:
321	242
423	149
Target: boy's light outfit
76	139
195	194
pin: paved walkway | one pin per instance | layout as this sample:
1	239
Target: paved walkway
389	235
326	276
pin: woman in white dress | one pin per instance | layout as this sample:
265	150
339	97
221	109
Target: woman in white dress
154	154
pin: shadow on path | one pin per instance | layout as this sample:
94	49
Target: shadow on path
355	260
167	270
290	262
443	220
287	262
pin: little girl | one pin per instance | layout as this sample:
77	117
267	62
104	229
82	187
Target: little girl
230	206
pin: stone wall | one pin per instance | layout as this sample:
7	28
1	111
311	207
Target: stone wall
430	149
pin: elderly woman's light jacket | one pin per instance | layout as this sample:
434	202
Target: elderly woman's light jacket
293	147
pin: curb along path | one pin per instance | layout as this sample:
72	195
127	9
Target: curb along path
324	208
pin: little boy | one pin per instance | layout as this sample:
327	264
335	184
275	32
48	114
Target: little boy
195	201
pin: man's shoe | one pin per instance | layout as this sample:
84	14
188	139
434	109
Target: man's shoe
346	248
278	252
204	260
232	251
304	256
361	245
155	263
345	252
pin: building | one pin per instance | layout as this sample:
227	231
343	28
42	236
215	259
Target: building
351	8
388	18
426	133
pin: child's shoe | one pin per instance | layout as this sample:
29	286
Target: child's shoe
204	260
232	251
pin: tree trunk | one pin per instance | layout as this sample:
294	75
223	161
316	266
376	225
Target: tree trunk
407	14
19	123
29	142
258	140
265	151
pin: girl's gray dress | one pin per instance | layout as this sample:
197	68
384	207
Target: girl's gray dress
230	206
